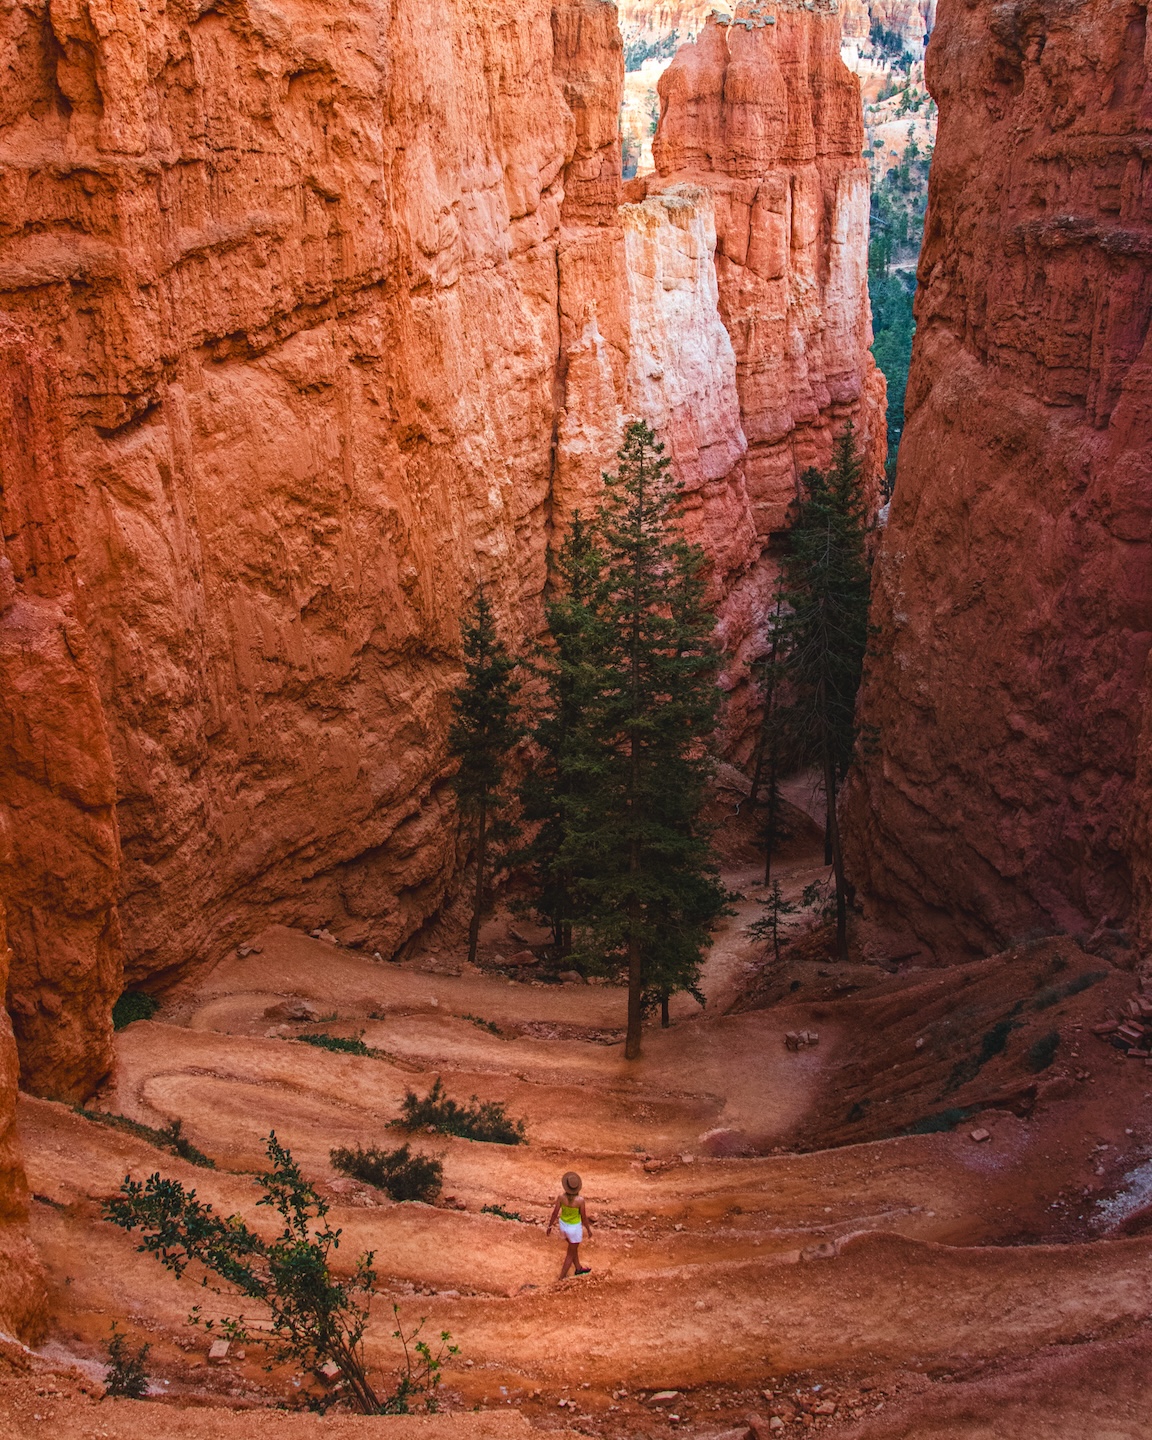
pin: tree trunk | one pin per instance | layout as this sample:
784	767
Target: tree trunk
828	820
665	1021
481	864
635	980
837	856
773	818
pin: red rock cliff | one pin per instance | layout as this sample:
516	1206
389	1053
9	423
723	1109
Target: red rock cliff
764	113
59	870
1008	788
347	316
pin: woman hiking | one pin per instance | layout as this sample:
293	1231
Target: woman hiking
572	1215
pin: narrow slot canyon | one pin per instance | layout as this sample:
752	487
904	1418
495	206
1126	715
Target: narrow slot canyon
337	345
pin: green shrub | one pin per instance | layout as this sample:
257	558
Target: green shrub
126	1377
337	1043
501	1213
401	1174
941	1120
170	1138
488	1025
303	1311
1053	994
133	1005
1043	1051
478	1120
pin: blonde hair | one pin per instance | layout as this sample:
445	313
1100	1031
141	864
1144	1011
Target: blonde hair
572	1183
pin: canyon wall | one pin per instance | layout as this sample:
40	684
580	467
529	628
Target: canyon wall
23	1308
1006	786
912	20
767	118
346	315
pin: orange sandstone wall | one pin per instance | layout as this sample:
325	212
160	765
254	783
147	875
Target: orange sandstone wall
300	269
1008	788
23	1302
768	118
60	867
346	315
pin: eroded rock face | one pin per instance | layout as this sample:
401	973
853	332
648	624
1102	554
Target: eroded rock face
60	865
1008	788
912	20
768	118
349	317
23	1310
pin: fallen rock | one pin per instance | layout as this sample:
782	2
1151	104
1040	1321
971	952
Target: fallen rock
330	1371
522	957
292	1010
218	1352
326	936
663	1396
825	1250
572	977
980	1136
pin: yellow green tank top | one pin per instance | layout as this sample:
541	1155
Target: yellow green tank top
569	1214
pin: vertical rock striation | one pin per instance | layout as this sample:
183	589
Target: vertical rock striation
763	113
59	869
346	316
1008	788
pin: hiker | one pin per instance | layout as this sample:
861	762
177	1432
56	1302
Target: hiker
573	1217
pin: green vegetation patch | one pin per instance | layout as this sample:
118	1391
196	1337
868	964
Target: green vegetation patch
1042	1052
170	1138
486	1120
941	1120
399	1173
501	1213
133	1005
1053	994
337	1043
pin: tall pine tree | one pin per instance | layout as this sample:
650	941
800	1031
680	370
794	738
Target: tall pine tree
484	730
556	774
776	741
633	838
826	586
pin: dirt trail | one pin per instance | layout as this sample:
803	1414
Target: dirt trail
872	1269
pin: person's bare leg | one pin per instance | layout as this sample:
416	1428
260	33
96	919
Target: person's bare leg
571	1258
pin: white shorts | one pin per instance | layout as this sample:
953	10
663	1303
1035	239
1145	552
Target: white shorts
572	1233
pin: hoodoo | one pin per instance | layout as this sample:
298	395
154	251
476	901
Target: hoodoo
1007	789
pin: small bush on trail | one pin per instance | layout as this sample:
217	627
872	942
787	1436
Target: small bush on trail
126	1377
133	1005
503	1214
308	1314
1043	1051
1053	994
401	1174
490	1026
337	1043
941	1120
479	1120
170	1138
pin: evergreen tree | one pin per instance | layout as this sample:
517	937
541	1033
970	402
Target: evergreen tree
633	837
770	927
484	730
826	589
560	737
776	740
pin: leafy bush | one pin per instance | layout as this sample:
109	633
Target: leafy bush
337	1043
941	1120
126	1377
1043	1051
501	1213
133	1005
1053	994
478	1120
170	1138
401	1174
308	1314
489	1025
637	50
